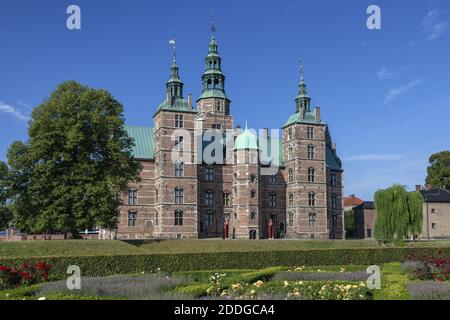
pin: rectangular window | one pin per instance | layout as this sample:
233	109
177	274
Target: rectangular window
178	121
312	220
333	180
209	219
334	221
179	196
272	200
334	202
310	133
272	179
291	219
312	199
179	143
179	169
209	199
311	152
132	218
179	218
209	174
217	126
226	199
132	196
369	233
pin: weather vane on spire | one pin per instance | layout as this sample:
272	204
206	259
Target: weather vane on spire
213	25
173	42
302	69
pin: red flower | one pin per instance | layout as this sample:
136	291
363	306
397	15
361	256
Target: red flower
25	276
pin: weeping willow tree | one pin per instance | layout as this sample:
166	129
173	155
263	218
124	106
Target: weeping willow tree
399	214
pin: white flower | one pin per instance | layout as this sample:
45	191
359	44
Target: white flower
42	298
7	295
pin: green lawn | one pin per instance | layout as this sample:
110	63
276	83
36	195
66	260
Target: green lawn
90	248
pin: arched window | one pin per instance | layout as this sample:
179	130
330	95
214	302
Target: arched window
156	195
291	200
132	218
312	220
209	84
178	217
179	169
209	198
253	178
311	199
310	151
290	219
132	196
253	215
179	195
291	175
253	193
290	134
311	175
252	234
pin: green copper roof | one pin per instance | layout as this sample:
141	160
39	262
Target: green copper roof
213	93
309	118
246	140
143	142
179	105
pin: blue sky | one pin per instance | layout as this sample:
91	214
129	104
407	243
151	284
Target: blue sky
384	93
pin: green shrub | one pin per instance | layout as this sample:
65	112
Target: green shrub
131	264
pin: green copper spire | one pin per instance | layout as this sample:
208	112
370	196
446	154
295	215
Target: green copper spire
213	80
174	94
174	84
303	100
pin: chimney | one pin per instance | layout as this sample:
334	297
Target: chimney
418	188
317	114
190	100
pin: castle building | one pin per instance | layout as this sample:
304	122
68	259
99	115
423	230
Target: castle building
295	193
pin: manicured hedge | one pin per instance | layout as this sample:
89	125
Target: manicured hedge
128	264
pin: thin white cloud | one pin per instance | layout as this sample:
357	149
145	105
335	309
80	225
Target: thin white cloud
6	108
433	26
25	105
384	74
396	92
374	157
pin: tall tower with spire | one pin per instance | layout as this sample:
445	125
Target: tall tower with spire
213	97
214	199
175	178
304	136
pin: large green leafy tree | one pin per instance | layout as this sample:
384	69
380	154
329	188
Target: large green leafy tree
77	161
399	214
5	212
439	170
